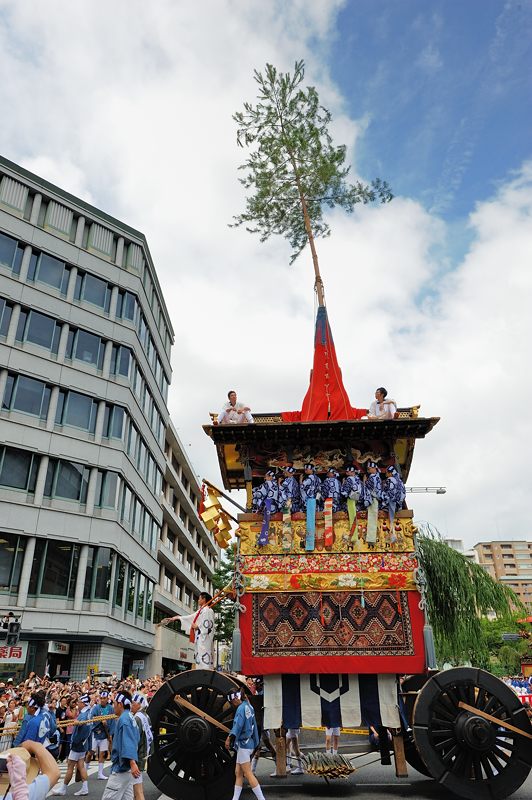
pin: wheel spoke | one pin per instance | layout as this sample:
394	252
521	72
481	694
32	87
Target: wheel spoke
487	767
477	767
501	754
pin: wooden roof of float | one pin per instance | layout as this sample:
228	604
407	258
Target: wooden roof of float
269	435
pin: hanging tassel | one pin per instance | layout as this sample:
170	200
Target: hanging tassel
322	618
362	599
430	650
236	651
399	608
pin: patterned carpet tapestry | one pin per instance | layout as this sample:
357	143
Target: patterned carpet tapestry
319	632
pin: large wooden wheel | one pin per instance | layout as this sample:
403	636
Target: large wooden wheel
190	761
468	754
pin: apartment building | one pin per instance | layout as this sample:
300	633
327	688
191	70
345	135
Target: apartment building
511	563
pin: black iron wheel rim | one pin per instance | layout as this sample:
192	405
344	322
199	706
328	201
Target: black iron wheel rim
189	758
472	756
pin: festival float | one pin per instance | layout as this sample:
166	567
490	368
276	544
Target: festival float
330	599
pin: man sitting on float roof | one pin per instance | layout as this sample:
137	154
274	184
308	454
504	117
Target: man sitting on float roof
233	412
381	407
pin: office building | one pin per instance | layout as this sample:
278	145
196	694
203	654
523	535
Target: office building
85	341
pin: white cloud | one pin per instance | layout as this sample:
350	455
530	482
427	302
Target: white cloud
130	104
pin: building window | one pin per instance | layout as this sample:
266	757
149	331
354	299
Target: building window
10	253
49	270
86	347
18	469
167	581
121	360
132	584
27	395
120	582
54	570
67	480
126	306
12	549
106	489
102	573
39	329
93	290
149	600
113	422
77	410
6	309
140	598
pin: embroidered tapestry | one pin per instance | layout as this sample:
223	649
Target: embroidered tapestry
332	624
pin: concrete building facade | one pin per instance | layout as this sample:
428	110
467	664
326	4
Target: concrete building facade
511	563
187	556
85	340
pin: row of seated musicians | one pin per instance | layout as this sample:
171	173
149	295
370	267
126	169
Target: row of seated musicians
363	488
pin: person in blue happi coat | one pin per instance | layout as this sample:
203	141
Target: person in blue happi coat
289	489
244	736
35	725
331	487
103	731
353	487
79	744
125	752
268	490
311	487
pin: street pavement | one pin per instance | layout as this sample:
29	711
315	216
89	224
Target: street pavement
372	781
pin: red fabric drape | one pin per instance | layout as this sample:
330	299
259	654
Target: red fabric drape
326	398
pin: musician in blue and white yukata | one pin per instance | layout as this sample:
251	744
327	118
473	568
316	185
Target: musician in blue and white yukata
269	490
393	492
311	487
373	492
353	488
289	489
331	487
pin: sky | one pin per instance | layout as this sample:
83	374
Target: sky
129	105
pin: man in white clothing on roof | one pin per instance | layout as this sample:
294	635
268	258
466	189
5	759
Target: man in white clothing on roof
234	412
382	407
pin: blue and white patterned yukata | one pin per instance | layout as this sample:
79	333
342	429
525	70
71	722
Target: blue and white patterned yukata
331	487
311	488
290	490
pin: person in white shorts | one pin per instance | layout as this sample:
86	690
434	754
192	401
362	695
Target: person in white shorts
78	748
245	737
292	746
102	732
332	740
139	703
124	754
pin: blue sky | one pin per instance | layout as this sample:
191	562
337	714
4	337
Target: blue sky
447	88
129	105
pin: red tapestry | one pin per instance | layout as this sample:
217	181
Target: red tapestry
332	632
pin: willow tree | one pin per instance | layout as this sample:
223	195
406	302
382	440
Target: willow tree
459	593
293	169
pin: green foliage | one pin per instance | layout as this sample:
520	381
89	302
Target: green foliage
459	593
222	577
293	166
509	660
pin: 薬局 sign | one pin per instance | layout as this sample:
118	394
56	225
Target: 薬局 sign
14	654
